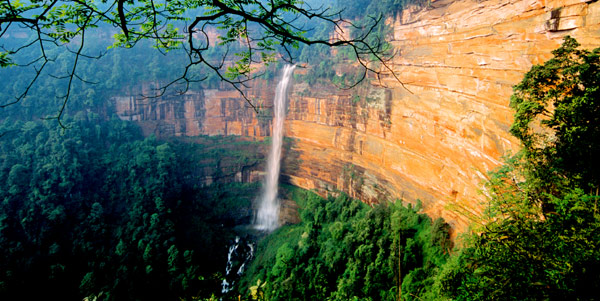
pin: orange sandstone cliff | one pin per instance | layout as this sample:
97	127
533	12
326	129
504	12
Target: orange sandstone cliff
433	139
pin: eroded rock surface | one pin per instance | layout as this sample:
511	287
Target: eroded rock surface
433	139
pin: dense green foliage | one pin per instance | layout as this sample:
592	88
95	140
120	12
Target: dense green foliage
540	237
558	117
98	210
344	249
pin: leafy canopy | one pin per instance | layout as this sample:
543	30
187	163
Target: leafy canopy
346	250
557	116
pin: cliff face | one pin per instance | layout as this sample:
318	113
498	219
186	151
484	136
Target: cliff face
207	112
433	139
461	59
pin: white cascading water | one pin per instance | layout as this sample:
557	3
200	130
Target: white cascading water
235	254
267	217
225	285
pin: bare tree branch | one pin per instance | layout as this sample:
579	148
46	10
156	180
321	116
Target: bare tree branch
72	74
267	28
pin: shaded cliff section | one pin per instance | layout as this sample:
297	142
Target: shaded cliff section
433	139
205	112
223	159
228	128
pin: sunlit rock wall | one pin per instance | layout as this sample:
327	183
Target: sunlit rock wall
459	61
433	139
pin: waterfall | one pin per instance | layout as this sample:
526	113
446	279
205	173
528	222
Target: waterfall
267	217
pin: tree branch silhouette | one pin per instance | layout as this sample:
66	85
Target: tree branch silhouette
252	32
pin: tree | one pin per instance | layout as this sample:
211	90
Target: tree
539	238
557	118
251	32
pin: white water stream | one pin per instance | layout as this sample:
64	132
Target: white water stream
236	254
267	217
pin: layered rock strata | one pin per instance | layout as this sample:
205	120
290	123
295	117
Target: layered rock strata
459	61
433	138
205	112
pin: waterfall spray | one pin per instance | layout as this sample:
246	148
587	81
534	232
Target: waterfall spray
267	217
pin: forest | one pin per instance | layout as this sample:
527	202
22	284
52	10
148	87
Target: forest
343	249
100	211
91	208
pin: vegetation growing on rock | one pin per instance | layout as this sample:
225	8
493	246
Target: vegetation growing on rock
540	236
